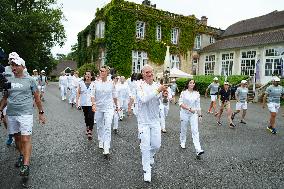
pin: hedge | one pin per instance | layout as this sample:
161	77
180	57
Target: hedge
202	81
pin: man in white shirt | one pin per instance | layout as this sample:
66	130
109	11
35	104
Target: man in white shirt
63	85
148	97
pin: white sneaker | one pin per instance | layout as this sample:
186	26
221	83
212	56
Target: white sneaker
152	160
147	176
62	98
101	145
106	151
182	145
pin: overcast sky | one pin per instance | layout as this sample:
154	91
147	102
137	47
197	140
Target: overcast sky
220	13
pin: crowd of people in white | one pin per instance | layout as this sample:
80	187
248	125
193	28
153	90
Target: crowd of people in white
106	99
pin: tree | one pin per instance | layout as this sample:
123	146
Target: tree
31	28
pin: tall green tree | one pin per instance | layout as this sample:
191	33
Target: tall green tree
31	28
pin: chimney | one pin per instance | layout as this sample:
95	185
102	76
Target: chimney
146	2
204	20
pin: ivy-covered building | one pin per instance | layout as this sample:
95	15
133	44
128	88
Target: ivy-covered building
127	35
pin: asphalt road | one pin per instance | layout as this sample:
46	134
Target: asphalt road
245	157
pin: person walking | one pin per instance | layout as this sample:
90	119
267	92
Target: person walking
272	96
104	99
84	91
241	97
42	84
174	89
20	100
190	112
63	86
214	88
224	101
148	97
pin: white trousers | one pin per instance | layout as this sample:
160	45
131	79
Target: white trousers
63	91
193	120
72	95
150	135
104	120
163	114
115	119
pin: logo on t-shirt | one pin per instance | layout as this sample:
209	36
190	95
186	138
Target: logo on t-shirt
17	85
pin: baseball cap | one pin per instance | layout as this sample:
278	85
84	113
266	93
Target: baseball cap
243	81
215	79
13	55
276	78
42	71
19	61
35	70
226	83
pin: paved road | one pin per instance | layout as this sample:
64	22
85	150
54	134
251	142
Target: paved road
246	157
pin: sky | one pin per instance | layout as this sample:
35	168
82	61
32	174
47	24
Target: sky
220	13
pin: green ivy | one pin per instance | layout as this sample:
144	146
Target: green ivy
120	19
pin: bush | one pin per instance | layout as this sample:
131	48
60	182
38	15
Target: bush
85	67
202	81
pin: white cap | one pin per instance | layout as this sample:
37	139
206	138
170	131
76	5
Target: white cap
42	71
13	55
215	79
226	83
19	61
35	70
243	81
275	78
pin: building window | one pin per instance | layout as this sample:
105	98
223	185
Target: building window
158	33
209	65
140	29
175	62
197	43
103	58
89	40
273	62
139	59
100	29
227	64
248	61
175	36
211	39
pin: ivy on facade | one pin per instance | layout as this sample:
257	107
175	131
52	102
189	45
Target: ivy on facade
120	40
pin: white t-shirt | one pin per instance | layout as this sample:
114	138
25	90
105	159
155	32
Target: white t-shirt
85	93
63	80
104	93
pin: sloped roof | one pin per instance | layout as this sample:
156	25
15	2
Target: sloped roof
274	19
256	39
61	66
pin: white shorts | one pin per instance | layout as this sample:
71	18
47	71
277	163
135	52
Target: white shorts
41	88
20	124
213	98
241	106
4	111
273	107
